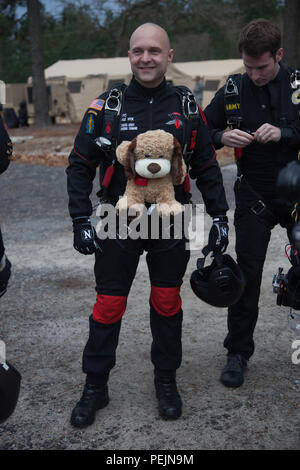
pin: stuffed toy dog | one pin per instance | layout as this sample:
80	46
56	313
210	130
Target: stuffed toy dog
153	163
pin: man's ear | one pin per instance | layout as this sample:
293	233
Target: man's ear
170	55
279	55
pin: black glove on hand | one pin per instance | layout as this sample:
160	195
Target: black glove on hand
218	235
85	238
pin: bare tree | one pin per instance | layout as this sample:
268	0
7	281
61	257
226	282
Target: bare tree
291	26
40	98
125	10
119	18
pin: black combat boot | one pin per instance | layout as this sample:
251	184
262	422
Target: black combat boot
94	397
169	401
233	373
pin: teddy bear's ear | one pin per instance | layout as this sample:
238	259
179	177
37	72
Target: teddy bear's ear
178	168
125	155
129	160
121	151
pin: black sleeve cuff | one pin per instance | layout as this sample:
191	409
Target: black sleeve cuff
218	137
286	132
220	218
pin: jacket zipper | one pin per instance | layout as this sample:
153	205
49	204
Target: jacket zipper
151	113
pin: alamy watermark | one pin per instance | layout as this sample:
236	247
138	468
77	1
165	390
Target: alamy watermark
150	225
2	92
2	352
296	354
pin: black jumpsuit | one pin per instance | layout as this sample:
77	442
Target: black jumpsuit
115	266
259	165
5	150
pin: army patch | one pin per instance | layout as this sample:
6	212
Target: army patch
90	124
97	104
91	111
232	106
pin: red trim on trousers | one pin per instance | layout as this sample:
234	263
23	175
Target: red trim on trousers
109	308
166	300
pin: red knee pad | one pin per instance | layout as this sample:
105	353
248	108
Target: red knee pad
166	300
109	308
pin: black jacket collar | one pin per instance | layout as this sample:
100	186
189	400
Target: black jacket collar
135	88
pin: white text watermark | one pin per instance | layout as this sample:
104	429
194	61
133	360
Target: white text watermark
150	225
2	92
296	353
2	352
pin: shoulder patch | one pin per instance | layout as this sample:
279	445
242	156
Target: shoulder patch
90	125
97	104
91	111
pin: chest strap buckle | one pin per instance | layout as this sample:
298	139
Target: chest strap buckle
113	102
258	207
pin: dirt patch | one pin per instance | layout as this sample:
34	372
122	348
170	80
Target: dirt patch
51	131
41	159
48	146
51	146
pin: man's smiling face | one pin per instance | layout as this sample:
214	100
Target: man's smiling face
149	55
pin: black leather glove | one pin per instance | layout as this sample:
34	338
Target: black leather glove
85	237
218	235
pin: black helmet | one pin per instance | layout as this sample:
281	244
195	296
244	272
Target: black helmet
291	294
221	284
10	381
288	181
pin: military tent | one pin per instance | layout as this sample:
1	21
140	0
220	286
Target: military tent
212	72
74	84
14	95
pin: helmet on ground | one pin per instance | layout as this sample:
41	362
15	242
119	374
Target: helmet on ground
291	295
221	284
10	381
288	181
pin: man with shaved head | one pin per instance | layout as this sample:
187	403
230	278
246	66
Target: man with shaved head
121	114
149	54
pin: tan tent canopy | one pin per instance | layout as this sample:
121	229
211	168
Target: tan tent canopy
74	84
117	66
83	80
212	72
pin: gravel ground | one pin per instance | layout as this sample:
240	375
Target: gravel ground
44	323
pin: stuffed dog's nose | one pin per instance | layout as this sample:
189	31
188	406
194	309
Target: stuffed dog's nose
154	168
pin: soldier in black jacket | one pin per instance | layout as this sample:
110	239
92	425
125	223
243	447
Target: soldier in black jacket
148	103
5	153
264	130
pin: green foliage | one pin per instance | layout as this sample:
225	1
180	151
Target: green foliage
73	36
12	49
249	10
95	28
